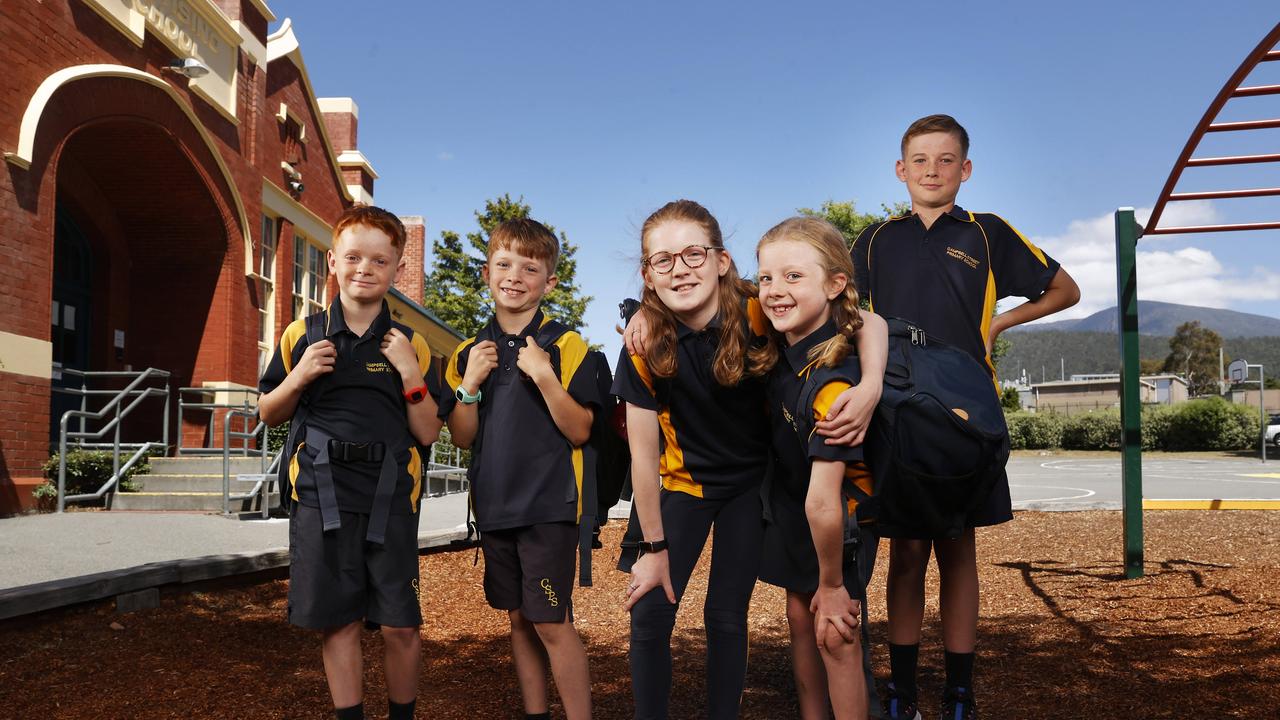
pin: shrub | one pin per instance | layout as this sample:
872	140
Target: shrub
276	436
1156	421
1097	430
1248	427
1034	431
1010	400
86	471
1210	424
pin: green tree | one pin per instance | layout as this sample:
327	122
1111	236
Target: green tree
454	289
1193	352
1010	400
457	293
845	216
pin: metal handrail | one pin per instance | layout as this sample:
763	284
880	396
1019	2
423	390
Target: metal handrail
111	483
263	486
184	405
130	390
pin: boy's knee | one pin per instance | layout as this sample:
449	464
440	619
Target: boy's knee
343	632
400	635
552	633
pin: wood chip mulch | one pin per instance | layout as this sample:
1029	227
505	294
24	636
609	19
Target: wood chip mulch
1062	635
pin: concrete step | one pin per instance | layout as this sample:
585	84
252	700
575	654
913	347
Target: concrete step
203	501
203	465
193	483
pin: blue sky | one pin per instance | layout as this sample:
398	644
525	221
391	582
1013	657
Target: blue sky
598	113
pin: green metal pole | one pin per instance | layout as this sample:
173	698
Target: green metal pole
1127	233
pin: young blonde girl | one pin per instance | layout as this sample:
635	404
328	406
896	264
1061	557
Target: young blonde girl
807	293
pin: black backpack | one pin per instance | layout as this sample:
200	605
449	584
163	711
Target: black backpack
315	325
605	456
938	443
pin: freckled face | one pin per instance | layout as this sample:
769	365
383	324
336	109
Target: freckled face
365	263
795	290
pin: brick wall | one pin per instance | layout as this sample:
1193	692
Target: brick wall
24	432
411	282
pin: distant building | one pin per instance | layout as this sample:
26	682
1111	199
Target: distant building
1100	391
1170	389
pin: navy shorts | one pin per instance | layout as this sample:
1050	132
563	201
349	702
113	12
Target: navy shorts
337	578
997	509
530	569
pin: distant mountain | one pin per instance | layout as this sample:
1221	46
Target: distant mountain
1161	318
1045	355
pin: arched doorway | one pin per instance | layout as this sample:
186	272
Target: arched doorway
141	231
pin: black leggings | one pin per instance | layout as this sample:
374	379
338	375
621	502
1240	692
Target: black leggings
735	562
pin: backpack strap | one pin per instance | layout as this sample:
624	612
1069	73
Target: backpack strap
315	324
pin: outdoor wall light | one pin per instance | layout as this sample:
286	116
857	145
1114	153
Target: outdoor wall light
190	67
296	185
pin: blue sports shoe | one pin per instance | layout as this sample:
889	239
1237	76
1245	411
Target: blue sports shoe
899	707
958	704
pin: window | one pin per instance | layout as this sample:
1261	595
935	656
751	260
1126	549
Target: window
310	275
266	300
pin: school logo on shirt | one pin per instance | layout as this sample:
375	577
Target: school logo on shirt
962	256
790	420
377	367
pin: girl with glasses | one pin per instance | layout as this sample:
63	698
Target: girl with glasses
699	438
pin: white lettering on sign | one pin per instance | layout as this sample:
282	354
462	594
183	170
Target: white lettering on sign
176	20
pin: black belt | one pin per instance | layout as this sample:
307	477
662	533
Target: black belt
348	451
357	451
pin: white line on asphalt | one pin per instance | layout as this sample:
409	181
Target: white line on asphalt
1084	492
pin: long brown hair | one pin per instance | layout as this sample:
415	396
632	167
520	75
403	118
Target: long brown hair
833	255
730	362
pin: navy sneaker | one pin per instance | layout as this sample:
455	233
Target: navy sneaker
899	707
958	704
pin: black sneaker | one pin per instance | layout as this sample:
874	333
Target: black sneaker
899	707
958	704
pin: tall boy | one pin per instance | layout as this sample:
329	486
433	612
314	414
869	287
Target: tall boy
353	382
944	268
525	412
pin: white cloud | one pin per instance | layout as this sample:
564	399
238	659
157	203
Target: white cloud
1188	275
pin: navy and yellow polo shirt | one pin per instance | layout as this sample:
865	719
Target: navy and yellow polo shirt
947	279
715	439
362	400
523	470
789	558
794	455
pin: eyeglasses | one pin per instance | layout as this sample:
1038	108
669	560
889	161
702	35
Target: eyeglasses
693	256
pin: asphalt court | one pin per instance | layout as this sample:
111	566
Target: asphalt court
1087	483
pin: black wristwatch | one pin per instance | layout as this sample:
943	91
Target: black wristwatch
652	547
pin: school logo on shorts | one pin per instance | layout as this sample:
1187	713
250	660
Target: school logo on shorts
417	591
550	592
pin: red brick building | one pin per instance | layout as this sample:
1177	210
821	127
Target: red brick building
151	219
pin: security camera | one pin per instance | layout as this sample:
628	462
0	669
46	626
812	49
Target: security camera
296	186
